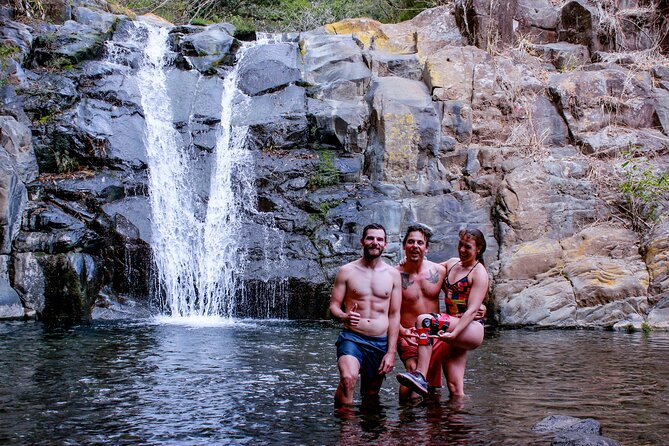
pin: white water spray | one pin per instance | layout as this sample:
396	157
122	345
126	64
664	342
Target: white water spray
200	261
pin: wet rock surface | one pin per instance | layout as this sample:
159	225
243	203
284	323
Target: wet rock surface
350	123
571	431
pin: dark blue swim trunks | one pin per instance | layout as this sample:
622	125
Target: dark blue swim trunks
368	350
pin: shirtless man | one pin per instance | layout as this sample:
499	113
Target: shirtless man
370	291
422	281
421	285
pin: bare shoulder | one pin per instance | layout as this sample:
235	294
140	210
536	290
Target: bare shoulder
439	267
448	264
347	269
392	270
480	272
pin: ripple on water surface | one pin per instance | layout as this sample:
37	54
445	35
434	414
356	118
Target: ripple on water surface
221	381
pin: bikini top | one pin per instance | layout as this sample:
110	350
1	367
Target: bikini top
456	300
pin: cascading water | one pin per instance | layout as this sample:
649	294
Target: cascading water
198	254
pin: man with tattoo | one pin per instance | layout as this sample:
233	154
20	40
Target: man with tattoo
421	285
366	298
422	281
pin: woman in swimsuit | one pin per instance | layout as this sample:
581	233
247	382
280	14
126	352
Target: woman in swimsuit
465	285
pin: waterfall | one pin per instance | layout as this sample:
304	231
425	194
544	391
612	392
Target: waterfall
199	255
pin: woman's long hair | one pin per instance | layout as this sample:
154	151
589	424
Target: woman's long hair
479	239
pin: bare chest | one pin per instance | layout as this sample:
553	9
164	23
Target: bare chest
420	286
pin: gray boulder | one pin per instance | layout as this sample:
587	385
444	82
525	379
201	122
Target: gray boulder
214	39
334	65
578	439
48	95
70	44
208	48
29	280
131	218
487	25
276	120
94	132
340	123
17	166
10	303
563	55
562	423
592	100
658	316
267	68
16	144
538	19
385	64
101	20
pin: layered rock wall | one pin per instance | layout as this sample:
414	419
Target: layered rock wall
517	120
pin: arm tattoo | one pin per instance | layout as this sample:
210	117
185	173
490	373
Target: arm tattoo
434	277
406	283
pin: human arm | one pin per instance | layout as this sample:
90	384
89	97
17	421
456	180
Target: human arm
388	361
351	317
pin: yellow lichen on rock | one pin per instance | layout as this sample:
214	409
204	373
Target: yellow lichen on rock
401	146
365	30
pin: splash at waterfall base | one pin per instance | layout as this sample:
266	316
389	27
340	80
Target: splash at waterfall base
350	123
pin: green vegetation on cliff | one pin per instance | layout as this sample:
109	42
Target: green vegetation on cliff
282	15
644	190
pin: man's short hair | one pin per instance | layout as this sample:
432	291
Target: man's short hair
373	226
427	233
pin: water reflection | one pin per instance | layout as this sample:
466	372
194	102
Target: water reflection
273	383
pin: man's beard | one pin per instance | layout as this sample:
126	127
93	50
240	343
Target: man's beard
369	256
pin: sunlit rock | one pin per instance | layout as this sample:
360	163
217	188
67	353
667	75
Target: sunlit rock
529	259
658	317
656	257
591	100
364	30
407	130
614	314
549	303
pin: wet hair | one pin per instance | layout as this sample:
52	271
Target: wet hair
372	226
427	233
478	238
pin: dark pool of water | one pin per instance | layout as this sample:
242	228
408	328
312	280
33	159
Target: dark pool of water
273	383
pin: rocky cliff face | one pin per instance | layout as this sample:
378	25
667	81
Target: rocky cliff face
526	135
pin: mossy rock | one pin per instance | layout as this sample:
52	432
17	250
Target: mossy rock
66	299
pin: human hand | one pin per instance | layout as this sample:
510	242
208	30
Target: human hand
387	363
443	335
481	312
409	334
352	317
402	261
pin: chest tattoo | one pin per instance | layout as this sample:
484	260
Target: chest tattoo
433	276
406	283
